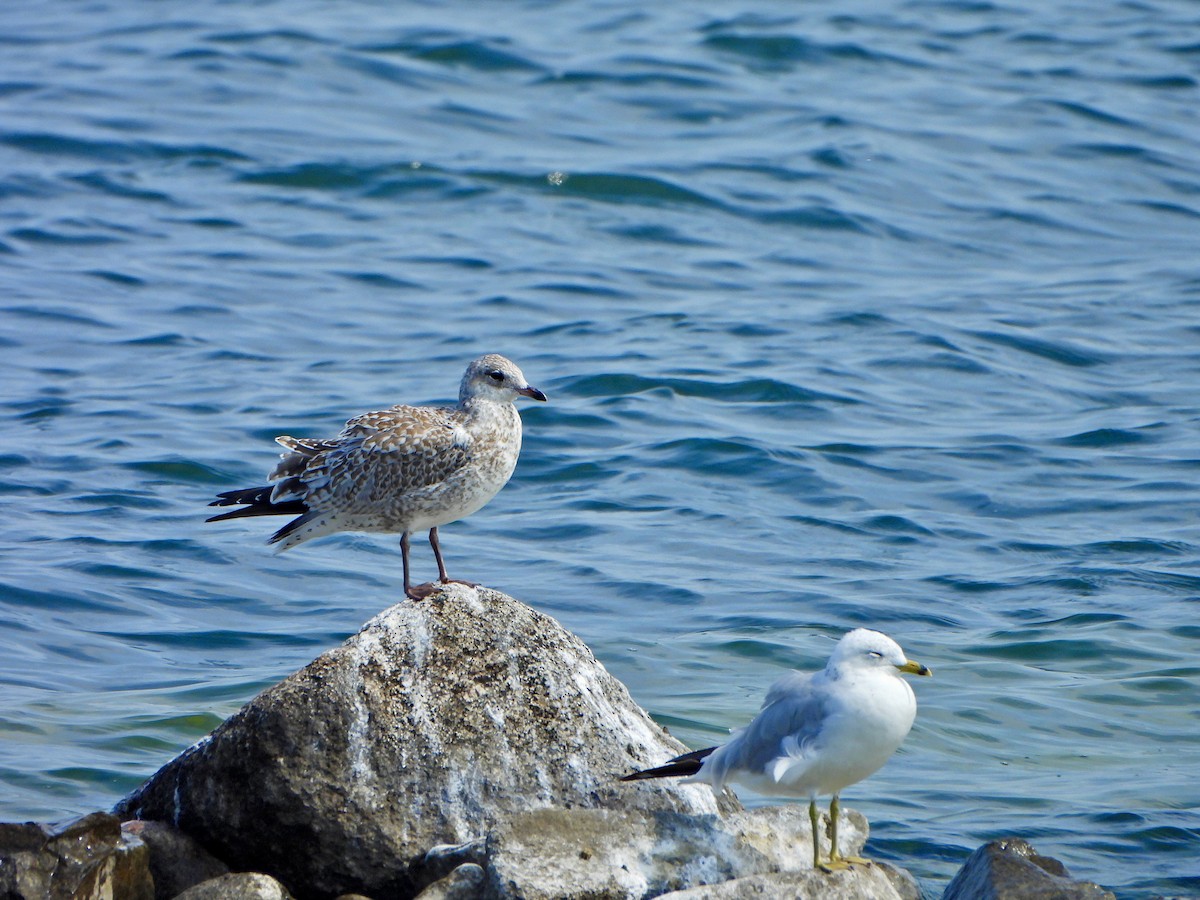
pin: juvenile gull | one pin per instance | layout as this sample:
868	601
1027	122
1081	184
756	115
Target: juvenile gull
816	733
402	469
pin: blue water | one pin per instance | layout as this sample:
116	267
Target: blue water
850	314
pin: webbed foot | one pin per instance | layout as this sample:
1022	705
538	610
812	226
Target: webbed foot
838	863
421	591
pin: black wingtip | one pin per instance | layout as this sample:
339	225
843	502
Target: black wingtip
255	496
237	513
255	501
679	767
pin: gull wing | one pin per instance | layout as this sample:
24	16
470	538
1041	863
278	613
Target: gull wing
790	722
376	456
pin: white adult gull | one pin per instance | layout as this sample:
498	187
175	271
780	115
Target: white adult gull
402	469
817	733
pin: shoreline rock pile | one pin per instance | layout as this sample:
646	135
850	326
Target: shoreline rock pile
463	747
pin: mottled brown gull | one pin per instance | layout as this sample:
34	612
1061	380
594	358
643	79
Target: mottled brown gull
817	732
403	469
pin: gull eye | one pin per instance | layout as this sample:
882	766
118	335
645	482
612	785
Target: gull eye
496	376
875	654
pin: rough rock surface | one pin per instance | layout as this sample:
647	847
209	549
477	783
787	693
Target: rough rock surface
437	722
237	886
610	855
177	861
856	883
88	859
903	881
1012	870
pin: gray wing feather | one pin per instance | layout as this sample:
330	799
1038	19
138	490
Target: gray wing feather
792	717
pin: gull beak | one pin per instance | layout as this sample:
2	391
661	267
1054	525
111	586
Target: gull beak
532	392
912	667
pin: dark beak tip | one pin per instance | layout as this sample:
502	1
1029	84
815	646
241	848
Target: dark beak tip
534	394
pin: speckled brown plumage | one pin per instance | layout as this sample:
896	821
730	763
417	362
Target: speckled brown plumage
402	469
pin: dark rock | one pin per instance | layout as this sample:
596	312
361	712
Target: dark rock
85	859
434	724
237	886
445	858
177	861
1012	870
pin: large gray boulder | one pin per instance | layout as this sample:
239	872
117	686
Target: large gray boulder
1012	870
87	859
436	723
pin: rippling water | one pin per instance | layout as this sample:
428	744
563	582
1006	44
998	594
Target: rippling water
850	314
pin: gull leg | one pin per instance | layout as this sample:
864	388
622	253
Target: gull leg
437	554
421	591
816	820
836	860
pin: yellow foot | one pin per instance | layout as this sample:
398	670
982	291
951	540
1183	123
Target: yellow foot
839	863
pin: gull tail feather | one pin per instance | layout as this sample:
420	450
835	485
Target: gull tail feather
255	501
687	764
310	525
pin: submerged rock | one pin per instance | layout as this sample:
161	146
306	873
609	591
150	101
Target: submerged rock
88	859
436	723
1012	870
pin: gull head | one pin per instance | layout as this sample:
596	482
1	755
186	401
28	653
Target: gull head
865	650
493	377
